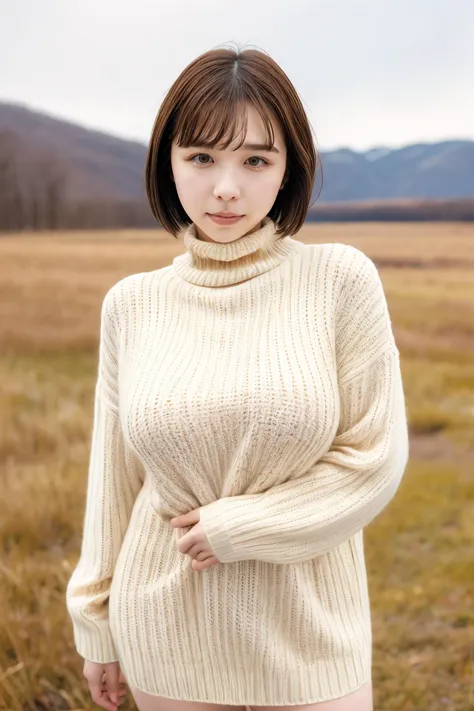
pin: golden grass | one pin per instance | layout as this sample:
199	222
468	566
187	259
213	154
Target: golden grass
419	550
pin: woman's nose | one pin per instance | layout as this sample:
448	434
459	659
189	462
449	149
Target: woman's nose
226	188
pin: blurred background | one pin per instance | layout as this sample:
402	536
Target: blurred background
388	89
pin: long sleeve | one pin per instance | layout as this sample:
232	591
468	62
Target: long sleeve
359	474
114	480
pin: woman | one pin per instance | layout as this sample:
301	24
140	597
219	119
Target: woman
249	422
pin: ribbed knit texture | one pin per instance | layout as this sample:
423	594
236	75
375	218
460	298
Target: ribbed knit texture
259	381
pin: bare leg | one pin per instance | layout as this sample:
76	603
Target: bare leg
149	702
360	700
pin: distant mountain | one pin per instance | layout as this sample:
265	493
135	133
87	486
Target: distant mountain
423	170
94	164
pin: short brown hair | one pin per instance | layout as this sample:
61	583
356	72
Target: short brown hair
202	107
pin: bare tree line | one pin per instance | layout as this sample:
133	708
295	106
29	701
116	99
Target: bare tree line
34	196
408	210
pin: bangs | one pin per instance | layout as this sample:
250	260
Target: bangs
202	123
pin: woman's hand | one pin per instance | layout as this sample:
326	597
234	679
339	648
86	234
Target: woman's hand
194	543
107	684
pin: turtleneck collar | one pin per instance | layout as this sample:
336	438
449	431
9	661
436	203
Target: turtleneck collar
218	264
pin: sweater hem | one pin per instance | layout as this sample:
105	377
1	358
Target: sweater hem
247	702
321	682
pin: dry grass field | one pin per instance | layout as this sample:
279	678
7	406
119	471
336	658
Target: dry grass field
419	551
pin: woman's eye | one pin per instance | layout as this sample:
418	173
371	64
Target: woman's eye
198	155
206	155
258	158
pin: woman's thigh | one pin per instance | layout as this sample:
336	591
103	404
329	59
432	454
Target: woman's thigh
360	700
149	702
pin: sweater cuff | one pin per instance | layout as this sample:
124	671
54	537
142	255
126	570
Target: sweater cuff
97	646
212	519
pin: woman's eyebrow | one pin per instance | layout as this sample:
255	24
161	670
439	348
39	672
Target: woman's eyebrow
260	147
246	146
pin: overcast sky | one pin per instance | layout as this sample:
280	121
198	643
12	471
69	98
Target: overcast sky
369	72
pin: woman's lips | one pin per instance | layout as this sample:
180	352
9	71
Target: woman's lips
225	220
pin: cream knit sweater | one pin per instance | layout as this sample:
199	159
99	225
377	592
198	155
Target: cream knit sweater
259	381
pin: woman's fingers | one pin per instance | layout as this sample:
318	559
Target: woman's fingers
122	690
112	673
102	698
95	673
202	565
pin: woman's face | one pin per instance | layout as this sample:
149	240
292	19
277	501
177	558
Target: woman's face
244	181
